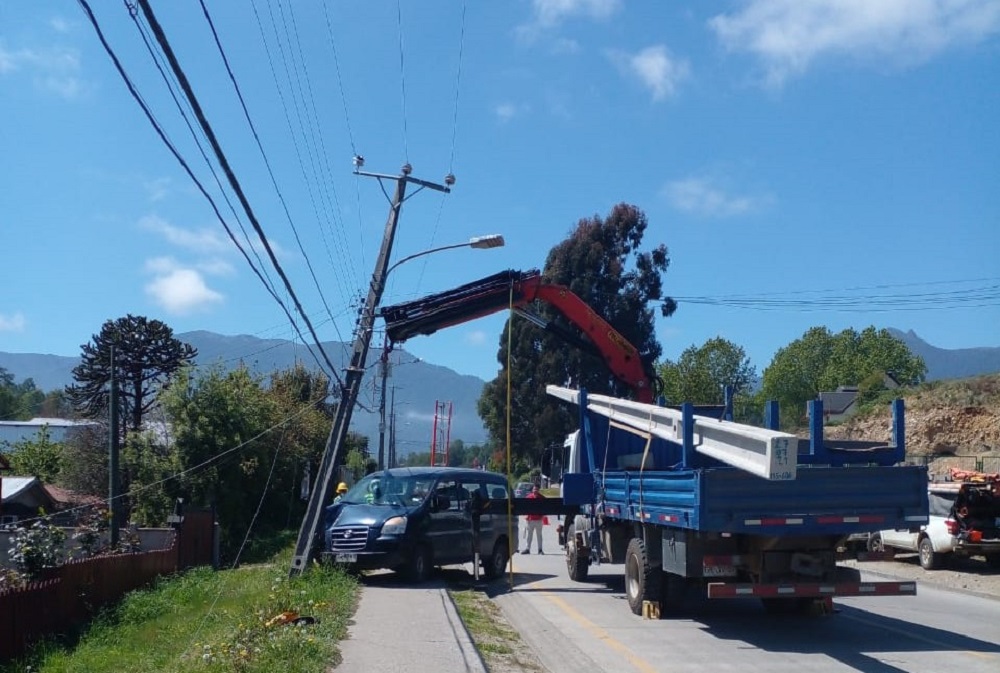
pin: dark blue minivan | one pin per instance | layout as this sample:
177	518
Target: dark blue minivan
414	518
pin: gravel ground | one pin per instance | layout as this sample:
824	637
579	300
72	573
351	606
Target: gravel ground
961	574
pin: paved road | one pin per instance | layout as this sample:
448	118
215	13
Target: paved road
588	626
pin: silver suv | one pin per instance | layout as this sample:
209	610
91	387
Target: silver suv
964	521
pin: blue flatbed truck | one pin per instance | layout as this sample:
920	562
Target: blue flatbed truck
656	497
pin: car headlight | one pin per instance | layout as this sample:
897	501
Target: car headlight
394	526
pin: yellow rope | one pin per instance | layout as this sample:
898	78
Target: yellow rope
510	511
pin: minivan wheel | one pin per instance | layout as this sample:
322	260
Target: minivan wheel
495	565
419	568
929	559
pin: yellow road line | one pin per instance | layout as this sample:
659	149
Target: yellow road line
602	635
932	641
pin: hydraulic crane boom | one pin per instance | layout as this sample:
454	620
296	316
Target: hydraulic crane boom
518	289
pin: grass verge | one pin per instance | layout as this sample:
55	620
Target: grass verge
212	622
497	642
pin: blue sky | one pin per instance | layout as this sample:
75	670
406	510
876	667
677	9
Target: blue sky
832	162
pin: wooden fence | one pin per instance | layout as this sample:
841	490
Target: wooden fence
69	594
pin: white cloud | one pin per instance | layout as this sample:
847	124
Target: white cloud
788	35
476	337
177	289
202	241
157	189
60	25
546	14
702	196
551	12
655	68
54	69
507	111
565	45
12	323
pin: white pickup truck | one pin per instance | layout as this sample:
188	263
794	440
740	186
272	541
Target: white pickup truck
964	521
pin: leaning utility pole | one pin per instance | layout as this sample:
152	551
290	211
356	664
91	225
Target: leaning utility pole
323	488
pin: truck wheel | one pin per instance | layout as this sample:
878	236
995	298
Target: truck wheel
577	566
418	569
642	581
929	559
494	566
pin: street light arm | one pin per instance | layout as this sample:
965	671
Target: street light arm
491	241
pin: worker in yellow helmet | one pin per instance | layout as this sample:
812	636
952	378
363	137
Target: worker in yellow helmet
341	490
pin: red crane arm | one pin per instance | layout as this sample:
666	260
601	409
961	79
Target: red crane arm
517	289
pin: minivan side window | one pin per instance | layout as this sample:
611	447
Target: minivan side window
456	496
496	491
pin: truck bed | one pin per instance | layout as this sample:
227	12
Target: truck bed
820	500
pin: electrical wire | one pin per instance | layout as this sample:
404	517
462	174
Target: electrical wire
402	78
267	163
173	150
194	135
234	183
347	119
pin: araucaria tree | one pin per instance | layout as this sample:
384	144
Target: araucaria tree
146	355
600	262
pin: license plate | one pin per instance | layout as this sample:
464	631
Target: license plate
345	558
718	571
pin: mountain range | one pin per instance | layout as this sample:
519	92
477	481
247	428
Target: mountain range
416	386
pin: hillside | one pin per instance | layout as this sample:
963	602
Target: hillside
950	363
947	423
415	385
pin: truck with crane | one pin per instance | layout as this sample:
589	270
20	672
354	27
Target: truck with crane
686	501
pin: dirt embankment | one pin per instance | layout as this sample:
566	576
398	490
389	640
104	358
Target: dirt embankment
948	423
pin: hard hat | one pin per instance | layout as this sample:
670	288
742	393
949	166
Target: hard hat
341	487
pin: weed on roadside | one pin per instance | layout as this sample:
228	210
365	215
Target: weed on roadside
497	642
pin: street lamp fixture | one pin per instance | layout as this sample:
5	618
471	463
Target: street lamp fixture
480	242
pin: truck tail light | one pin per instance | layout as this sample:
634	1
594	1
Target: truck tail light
975	536
952	526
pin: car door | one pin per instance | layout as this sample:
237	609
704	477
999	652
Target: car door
474	487
451	525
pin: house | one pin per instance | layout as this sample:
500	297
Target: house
59	429
22	498
841	404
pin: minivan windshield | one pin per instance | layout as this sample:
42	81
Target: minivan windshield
382	488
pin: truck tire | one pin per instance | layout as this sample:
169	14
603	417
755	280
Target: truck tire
929	559
642	581
577	566
494	566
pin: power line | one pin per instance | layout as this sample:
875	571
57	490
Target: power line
267	163
163	137
291	131
350	131
402	78
224	162
197	140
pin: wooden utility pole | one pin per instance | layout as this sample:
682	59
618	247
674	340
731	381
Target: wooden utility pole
325	481
384	371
